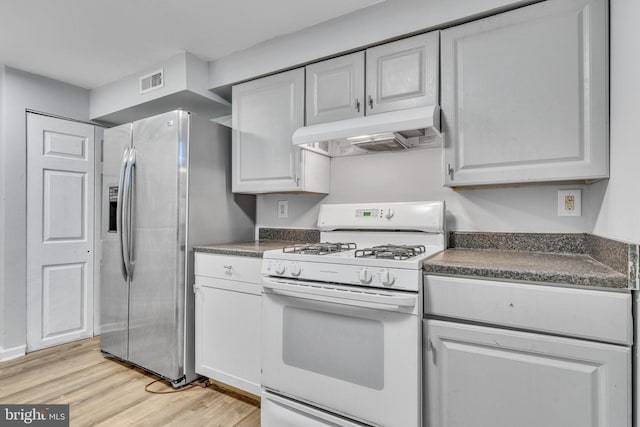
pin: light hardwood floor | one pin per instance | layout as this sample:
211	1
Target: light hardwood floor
104	392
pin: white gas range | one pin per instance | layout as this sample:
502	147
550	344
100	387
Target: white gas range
342	319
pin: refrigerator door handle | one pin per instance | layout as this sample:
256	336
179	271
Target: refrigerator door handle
119	214
131	207
126	216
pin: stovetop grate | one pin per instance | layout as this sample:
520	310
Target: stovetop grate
399	252
319	248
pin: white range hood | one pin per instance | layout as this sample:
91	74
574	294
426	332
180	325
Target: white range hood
395	130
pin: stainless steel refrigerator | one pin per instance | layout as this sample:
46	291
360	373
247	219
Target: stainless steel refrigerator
166	187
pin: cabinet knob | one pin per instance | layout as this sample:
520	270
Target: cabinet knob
370	102
228	268
358	105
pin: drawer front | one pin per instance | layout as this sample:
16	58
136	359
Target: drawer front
584	313
228	267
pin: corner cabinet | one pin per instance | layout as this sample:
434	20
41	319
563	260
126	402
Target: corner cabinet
525	95
266	112
228	319
399	75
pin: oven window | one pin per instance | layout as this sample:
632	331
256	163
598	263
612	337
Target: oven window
343	347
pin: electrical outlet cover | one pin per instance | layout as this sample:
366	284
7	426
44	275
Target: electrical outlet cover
570	202
283	208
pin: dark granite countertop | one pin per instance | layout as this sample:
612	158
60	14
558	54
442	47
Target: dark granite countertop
249	249
557	268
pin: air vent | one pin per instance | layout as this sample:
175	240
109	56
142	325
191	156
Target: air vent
152	81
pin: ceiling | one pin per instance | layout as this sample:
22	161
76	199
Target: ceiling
89	43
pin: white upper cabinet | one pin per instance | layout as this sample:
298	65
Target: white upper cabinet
335	89
403	74
266	111
525	95
398	75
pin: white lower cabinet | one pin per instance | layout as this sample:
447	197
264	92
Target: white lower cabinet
479	376
497	376
227	320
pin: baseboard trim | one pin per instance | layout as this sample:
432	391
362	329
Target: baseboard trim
12	353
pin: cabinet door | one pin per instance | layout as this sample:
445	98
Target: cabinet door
478	376
403	74
228	332
335	89
525	95
266	112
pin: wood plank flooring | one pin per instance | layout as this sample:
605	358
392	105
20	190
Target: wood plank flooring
104	392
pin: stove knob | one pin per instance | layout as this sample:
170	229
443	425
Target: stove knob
389	214
386	278
364	275
295	269
279	268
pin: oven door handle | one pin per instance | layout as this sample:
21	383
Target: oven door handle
339	296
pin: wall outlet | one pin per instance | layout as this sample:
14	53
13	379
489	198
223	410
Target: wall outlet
283	209
570	202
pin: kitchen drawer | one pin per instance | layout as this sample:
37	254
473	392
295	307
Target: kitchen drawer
585	313
228	267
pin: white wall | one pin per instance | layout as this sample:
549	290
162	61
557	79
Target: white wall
383	21
185	86
24	91
618	201
417	175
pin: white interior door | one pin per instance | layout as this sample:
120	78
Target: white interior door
60	231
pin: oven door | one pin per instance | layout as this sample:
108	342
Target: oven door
352	351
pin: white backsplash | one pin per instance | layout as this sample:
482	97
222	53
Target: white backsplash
416	175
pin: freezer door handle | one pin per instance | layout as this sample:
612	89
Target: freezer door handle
119	214
128	212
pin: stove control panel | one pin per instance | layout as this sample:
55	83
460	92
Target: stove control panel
368	213
414	216
369	276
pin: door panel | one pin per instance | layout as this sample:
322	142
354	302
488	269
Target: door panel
64	202
403	74
479	376
60	231
156	306
62	295
114	288
320	352
525	95
335	89
71	146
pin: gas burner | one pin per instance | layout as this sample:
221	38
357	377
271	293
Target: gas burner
319	248
400	252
